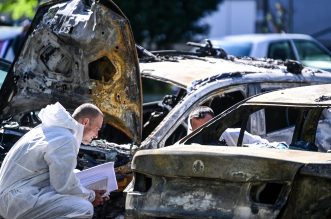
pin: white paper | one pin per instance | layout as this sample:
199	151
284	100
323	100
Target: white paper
101	177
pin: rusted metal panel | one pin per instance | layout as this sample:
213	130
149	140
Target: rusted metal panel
309	198
217	162
228	182
194	198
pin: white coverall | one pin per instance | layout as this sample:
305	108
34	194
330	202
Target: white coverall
323	133
231	136
37	178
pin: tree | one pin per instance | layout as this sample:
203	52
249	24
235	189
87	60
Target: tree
161	23
19	9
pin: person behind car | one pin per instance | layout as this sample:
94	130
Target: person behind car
198	117
37	177
203	114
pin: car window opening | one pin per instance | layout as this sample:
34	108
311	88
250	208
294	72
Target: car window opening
102	70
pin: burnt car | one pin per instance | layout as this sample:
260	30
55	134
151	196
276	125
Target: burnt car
220	83
200	178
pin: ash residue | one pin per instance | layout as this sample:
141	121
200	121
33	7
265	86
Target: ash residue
198	83
260	62
323	98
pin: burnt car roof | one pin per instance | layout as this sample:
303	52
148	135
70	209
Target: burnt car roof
307	96
182	70
185	69
75	52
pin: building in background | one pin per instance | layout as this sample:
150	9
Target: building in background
259	16
233	17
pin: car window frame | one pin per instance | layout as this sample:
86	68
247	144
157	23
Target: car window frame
290	43
182	111
260	128
248	90
305	128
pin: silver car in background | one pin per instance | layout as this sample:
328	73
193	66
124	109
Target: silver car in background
300	47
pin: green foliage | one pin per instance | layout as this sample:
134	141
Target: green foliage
164	22
19	8
157	23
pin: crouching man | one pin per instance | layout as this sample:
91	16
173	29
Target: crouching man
36	176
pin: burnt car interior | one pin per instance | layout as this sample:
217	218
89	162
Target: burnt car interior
218	103
304	120
279	118
155	111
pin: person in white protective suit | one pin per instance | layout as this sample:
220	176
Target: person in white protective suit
203	114
323	133
37	178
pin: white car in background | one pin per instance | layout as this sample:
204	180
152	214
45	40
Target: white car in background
301	47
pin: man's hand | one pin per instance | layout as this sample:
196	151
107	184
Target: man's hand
100	198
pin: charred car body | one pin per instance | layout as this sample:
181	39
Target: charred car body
83	51
198	178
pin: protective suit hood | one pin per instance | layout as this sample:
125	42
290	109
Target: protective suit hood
57	115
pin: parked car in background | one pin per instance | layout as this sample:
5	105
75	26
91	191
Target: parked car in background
8	35
301	47
201	178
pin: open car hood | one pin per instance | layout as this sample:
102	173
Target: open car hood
78	51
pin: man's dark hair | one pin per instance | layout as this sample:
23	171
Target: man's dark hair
201	112
86	110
